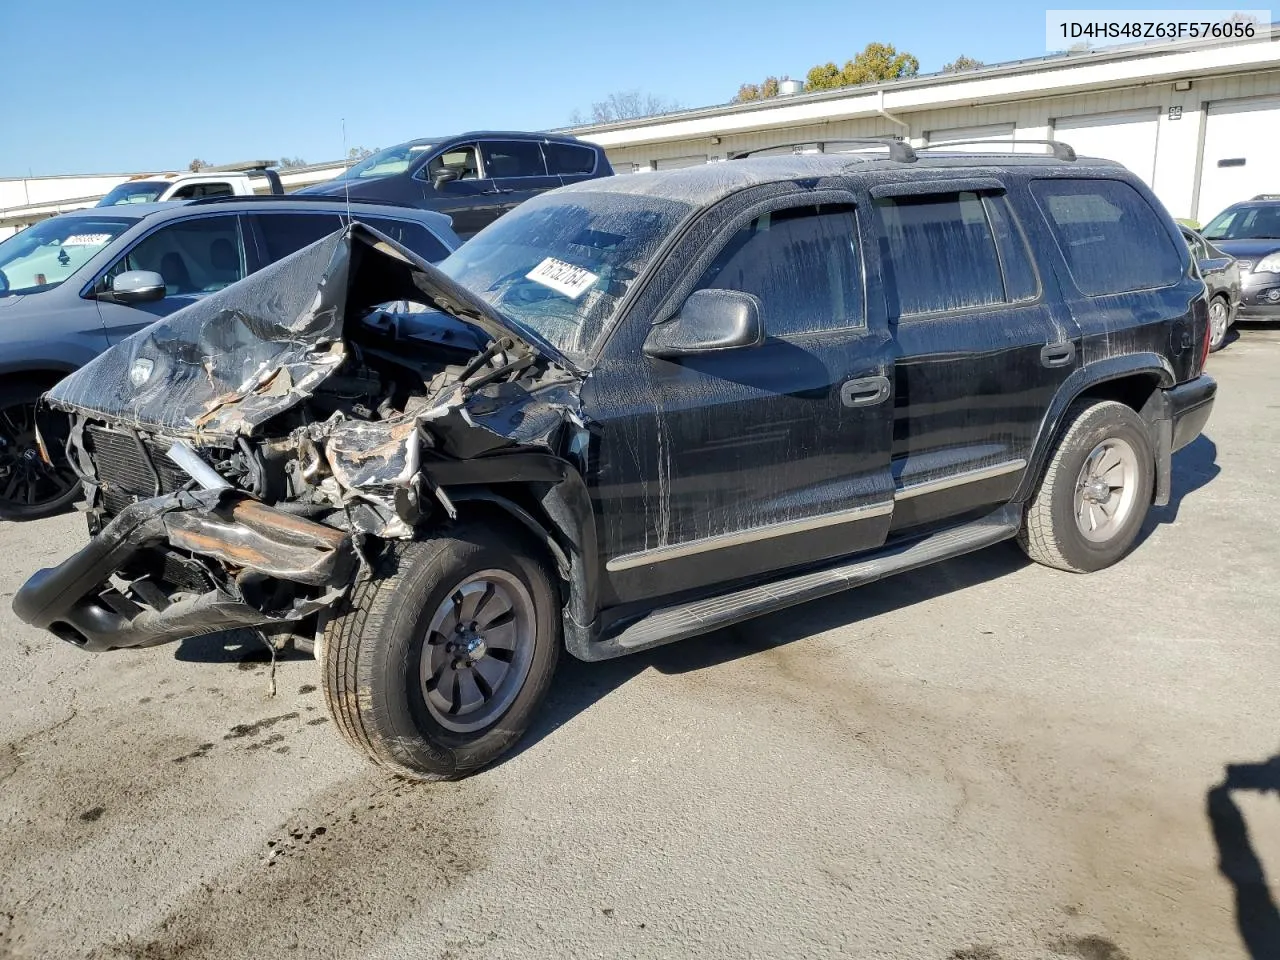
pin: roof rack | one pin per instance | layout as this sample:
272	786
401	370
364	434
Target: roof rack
1061	151
300	198
899	150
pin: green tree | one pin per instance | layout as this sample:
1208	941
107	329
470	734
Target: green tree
754	91
877	62
961	63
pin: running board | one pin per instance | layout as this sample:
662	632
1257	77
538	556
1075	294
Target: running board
702	616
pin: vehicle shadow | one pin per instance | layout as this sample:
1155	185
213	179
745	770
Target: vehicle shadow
1194	466
243	647
579	685
1257	916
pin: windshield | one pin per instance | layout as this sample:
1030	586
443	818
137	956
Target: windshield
386	162
41	257
558	264
1246	222
139	191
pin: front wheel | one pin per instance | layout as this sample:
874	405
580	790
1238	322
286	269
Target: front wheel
31	488
1095	491
436	665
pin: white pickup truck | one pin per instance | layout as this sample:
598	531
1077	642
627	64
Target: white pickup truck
231	180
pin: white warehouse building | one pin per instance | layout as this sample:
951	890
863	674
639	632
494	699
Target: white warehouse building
1199	123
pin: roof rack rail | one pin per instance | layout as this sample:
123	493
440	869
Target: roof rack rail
899	150
303	198
1062	151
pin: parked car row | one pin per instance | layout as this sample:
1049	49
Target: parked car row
629	412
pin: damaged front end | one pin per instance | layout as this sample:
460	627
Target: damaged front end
242	458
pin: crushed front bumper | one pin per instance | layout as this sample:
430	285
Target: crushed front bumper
256	545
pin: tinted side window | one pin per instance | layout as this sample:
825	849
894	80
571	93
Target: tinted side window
1112	240
286	233
565	158
193	191
804	265
193	256
513	158
941	252
412	235
1020	279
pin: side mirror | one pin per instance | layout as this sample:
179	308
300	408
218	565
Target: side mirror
137	286
710	320
445	175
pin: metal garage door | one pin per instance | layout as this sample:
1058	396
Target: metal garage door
1128	138
674	163
1241	154
995	131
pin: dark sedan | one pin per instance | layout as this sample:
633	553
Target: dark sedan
1250	232
474	178
1221	273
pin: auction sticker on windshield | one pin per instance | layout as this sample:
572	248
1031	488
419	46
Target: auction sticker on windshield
562	277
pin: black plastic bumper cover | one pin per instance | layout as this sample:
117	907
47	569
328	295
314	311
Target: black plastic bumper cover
1190	404
67	599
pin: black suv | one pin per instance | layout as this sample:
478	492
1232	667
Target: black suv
473	177
633	411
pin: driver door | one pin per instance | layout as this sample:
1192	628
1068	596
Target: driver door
196	257
740	463
469	198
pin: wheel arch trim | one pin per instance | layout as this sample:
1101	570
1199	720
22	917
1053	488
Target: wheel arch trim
1087	377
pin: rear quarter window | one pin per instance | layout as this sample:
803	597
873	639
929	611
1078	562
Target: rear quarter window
1111	238
569	160
412	235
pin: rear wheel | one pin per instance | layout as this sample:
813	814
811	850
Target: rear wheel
1095	491
30	488
436	665
1219	317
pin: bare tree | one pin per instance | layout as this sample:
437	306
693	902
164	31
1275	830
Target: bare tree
961	63
359	153
287	163
195	166
624	105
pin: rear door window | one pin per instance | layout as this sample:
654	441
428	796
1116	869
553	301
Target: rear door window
1112	240
512	158
941	253
285	233
413	235
804	265
194	256
566	159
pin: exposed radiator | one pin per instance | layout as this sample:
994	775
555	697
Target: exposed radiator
128	471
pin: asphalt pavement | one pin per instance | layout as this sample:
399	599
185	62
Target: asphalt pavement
982	760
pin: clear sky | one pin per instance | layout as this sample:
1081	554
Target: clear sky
95	86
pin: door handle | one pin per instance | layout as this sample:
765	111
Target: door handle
864	392
1058	354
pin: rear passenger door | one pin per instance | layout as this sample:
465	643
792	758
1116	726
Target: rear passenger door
981	349
731	464
196	257
517	170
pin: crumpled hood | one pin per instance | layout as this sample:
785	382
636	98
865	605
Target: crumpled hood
235	359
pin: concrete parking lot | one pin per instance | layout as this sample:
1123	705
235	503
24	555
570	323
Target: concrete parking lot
983	760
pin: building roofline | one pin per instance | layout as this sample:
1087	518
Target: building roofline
1170	57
